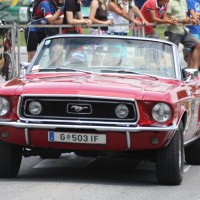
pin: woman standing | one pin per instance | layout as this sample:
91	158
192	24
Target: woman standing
98	15
73	16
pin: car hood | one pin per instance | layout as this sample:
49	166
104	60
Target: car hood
124	86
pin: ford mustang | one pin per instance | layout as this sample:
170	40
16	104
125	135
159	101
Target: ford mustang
103	96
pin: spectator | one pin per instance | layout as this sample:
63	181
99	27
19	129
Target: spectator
194	12
74	17
98	15
177	10
139	3
154	11
47	12
122	12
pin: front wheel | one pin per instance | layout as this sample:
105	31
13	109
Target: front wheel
10	160
8	71
170	160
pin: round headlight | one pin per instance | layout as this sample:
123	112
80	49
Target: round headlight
4	106
161	112
121	111
35	108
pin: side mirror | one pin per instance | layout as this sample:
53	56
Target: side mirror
24	66
190	74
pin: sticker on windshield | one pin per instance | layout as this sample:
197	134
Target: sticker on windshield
47	42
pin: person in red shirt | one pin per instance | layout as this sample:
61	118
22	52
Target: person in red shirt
154	11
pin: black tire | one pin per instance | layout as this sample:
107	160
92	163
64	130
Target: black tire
170	160
10	160
8	71
192	153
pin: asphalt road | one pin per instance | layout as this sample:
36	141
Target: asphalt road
80	178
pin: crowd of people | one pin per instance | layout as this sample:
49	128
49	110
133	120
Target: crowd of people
181	16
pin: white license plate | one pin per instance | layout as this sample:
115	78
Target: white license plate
83	138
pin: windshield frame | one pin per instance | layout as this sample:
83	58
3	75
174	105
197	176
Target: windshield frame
109	38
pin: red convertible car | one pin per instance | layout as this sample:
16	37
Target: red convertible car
100	96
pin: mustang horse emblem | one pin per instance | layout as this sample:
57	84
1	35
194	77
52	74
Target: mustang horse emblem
79	108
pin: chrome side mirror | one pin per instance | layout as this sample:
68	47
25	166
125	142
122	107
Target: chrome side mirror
24	66
190	74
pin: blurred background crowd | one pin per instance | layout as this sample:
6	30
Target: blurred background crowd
16	10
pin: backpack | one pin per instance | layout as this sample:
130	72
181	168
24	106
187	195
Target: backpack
33	6
31	12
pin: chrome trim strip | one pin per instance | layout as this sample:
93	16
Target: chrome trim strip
128	139
31	120
83	96
75	126
27	136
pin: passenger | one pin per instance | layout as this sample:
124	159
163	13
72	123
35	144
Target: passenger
154	11
98	15
177	10
47	12
74	17
194	12
121	12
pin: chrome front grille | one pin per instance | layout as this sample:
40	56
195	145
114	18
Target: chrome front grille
77	109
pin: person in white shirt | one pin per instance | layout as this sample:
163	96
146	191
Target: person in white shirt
122	12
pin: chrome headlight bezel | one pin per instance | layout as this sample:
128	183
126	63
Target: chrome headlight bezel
35	107
4	106
161	112
122	111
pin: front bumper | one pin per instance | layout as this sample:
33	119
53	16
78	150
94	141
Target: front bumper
94	127
119	137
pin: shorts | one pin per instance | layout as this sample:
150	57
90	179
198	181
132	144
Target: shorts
187	40
33	39
94	31
72	30
152	35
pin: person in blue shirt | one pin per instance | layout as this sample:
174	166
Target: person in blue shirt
47	12
194	12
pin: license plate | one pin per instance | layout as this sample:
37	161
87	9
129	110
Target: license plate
83	138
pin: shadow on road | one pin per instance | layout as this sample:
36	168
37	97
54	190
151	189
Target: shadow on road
97	171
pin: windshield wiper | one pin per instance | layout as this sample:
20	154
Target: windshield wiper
61	69
126	72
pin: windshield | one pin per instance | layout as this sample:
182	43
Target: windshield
105	55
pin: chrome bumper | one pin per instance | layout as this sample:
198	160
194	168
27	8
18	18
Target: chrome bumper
80	126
